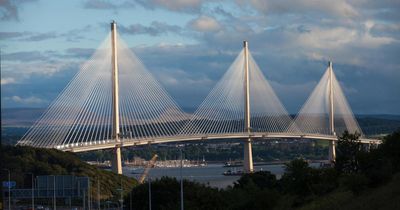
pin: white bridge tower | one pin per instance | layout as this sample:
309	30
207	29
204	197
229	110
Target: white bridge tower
248	156
116	163
332	144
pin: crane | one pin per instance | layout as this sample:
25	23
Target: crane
149	165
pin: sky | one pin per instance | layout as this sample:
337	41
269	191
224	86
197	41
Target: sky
189	44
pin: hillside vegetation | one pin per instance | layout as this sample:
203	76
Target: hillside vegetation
22	161
382	197
361	179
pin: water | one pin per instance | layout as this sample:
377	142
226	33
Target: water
210	175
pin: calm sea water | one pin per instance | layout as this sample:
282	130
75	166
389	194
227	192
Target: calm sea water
210	175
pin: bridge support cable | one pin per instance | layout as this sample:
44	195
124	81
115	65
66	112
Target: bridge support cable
84	118
226	110
326	111
222	111
314	116
146	109
71	114
83	114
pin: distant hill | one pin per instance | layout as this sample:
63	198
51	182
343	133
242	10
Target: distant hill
20	117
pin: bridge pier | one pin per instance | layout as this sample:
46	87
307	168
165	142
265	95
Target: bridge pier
332	151
248	156
116	163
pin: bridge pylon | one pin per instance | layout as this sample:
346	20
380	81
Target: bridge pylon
248	156
332	144
116	162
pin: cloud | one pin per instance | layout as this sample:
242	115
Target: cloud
41	36
339	8
80	52
290	40
383	10
386	29
156	28
28	100
104	4
27	36
25	70
25	56
77	34
189	6
10	35
7	80
9	9
205	24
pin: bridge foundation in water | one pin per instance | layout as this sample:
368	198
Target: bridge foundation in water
248	157
116	163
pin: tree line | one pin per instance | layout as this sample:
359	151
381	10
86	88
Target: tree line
358	170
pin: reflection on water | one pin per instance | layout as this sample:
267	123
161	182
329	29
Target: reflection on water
210	175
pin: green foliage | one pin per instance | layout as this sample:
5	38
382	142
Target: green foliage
297	177
23	160
384	197
359	173
261	179
354	182
348	149
258	190
377	165
391	148
361	179
323	181
165	194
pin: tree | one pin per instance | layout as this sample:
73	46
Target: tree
261	179
348	149
166	195
391	149
297	177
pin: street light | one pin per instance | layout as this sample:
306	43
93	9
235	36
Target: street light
9	188
33	191
121	200
182	206
108	204
54	193
130	200
149	180
98	194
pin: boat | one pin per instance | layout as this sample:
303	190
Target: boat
233	164
233	173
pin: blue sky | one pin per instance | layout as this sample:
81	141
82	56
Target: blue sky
188	45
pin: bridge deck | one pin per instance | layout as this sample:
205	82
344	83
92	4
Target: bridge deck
108	144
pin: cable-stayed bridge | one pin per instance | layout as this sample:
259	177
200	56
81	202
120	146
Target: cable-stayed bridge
114	102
